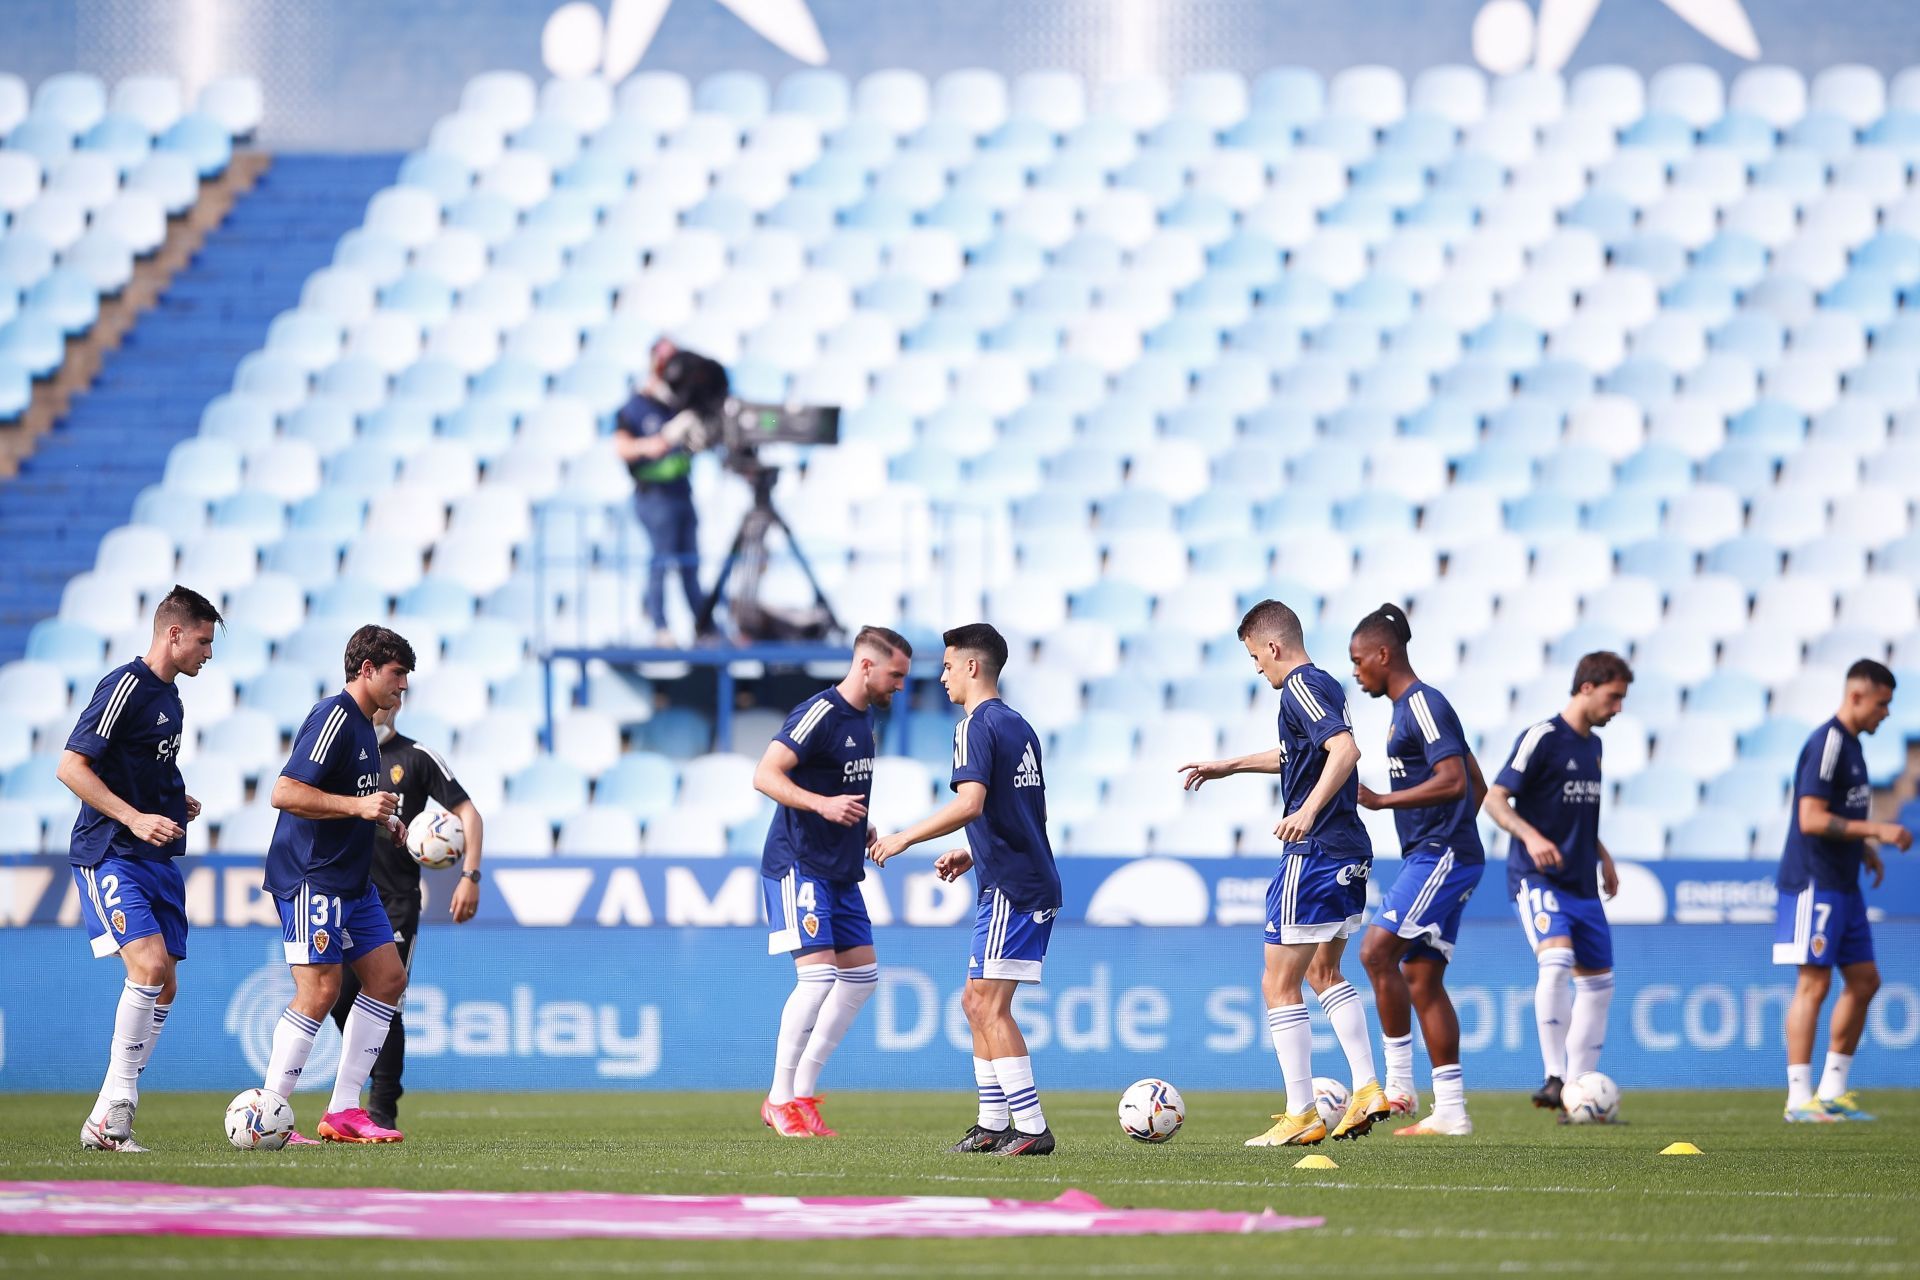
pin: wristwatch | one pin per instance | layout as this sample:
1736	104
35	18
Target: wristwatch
473	875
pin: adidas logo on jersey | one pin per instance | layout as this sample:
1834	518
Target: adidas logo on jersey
162	719
363	753
1027	773
850	741
1571	766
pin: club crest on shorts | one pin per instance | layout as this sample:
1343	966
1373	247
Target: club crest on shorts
811	923
320	940
119	920
1541	922
1818	945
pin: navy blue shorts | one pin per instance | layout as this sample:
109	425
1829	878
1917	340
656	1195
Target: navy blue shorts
127	898
1826	927
1428	898
805	913
324	928
1546	913
1007	943
1316	897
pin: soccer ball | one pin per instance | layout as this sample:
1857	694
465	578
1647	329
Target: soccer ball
436	839
1151	1111
1591	1099
1330	1100
259	1120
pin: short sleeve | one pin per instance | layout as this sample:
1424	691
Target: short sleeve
1321	712
1437	726
322	742
972	753
441	784
803	731
93	732
1524	760
1820	772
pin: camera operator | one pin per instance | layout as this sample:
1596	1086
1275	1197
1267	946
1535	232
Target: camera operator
656	434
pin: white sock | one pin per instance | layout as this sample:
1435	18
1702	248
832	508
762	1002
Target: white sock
160	1012
1399	1059
993	1099
1023	1100
1449	1092
360	1043
851	989
1833	1081
1799	1084
813	984
1293	1045
132	1034
1553	1009
292	1042
1592	997
1341	1003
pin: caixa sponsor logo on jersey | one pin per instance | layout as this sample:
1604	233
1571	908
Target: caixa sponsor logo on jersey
1396	767
857	770
1580	791
366	784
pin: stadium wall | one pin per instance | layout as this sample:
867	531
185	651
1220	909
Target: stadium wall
371	75
635	1003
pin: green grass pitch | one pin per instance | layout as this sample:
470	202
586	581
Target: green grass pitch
1521	1197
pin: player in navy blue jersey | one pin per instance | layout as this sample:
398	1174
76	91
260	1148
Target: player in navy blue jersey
1320	891
819	770
1822	917
123	761
1547	798
1000	798
1434	792
320	875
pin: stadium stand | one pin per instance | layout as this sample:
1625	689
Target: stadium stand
1565	364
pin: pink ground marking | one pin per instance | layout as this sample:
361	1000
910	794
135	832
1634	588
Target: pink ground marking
155	1208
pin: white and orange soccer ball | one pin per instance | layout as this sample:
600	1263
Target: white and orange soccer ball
1591	1098
1330	1100
436	839
1151	1111
259	1120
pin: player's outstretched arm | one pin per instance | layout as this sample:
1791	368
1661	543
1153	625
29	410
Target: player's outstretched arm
1448	783
1343	753
970	799
290	795
1193	775
771	778
76	773
1499	806
1821	823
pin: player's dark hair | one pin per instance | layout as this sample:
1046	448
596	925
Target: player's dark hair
1271	620
983	642
1386	626
185	607
1872	672
883	638
1601	667
378	645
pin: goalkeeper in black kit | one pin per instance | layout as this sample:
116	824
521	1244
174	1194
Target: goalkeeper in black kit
416	774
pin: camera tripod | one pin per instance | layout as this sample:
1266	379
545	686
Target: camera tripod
748	555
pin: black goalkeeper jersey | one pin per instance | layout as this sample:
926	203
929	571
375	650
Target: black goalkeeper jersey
415	774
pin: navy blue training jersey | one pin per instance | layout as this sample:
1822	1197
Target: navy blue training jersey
995	746
336	751
1313	712
1426	731
835	746
1554	775
1834	768
131	732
